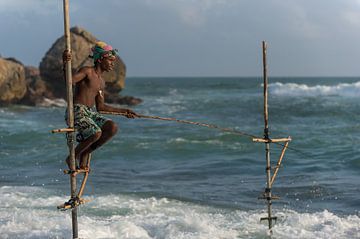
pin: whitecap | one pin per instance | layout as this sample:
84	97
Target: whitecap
29	212
52	102
293	89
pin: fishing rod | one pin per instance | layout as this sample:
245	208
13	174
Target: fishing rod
213	126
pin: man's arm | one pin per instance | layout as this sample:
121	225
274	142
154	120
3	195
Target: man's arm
78	76
101	106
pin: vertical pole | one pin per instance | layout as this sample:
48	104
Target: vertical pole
266	136
70	111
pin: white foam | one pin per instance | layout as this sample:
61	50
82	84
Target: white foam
6	112
29	212
293	89
317	225
25	213
215	142
194	141
167	104
53	102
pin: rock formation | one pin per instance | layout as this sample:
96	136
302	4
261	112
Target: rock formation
12	81
51	66
37	89
44	86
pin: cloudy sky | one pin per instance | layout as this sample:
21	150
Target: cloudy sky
197	37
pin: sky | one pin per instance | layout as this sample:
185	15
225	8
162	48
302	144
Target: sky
197	37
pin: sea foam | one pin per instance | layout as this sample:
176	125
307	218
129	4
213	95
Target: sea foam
30	212
294	89
53	102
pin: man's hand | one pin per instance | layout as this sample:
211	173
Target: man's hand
130	114
66	56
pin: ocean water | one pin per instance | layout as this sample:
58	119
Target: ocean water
165	180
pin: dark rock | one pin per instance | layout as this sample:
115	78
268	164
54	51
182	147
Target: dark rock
12	81
37	89
51	66
121	100
14	60
44	86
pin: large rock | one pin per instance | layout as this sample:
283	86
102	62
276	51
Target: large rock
37	89
122	100
12	81
51	66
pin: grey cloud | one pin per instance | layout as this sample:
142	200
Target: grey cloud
199	37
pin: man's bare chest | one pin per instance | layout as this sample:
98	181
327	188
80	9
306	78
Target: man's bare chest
94	83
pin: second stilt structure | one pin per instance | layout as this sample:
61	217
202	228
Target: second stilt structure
270	177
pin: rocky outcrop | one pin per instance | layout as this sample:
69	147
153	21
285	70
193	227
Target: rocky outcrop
51	66
45	86
37	90
121	100
12	81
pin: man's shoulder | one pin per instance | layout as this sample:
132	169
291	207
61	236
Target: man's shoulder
87	68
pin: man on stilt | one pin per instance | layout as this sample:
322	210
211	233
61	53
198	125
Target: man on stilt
93	129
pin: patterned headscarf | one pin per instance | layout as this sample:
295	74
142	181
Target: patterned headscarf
101	50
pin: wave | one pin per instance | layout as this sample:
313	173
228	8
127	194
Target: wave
29	212
209	142
293	89
53	103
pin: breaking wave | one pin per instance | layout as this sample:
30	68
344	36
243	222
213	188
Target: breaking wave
53	103
294	89
29	212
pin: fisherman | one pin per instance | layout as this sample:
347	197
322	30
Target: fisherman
93	129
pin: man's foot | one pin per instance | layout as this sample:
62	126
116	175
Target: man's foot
83	168
67	161
84	162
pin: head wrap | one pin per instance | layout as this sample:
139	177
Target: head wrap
101	50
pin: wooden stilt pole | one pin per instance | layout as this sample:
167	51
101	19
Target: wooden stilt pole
266	137
267	140
70	112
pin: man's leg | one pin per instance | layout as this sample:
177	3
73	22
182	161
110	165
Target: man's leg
83	146
109	129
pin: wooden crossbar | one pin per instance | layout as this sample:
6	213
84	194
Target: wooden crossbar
279	163
262	140
65	130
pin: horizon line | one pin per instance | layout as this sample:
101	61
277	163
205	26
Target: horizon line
324	76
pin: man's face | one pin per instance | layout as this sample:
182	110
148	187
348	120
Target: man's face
107	63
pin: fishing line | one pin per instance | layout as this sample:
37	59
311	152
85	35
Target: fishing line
213	126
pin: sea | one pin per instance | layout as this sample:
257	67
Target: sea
161	179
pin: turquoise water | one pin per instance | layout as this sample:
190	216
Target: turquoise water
160	179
